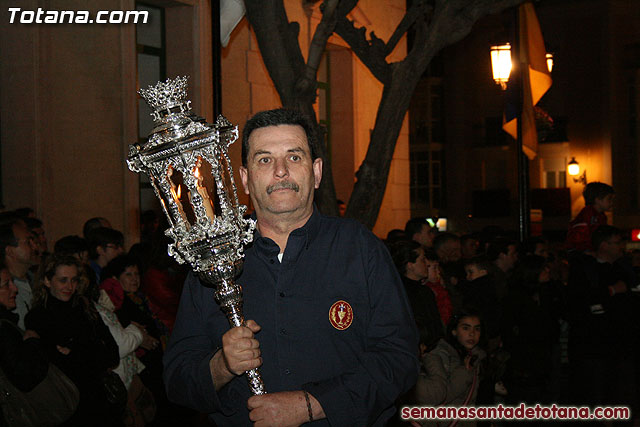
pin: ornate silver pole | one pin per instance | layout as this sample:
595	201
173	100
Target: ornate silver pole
187	162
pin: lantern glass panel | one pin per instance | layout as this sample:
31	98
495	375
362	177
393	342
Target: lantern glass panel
164	202
501	62
207	187
227	179
181	195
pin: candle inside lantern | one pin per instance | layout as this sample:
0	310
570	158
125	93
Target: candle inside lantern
176	197
202	191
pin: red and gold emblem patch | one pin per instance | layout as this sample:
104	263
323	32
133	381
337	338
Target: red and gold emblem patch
341	315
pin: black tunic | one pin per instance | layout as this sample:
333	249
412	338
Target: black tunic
93	352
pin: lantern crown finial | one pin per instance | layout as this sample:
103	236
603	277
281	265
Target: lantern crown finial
166	96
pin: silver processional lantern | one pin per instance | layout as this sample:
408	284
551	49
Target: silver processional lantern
187	162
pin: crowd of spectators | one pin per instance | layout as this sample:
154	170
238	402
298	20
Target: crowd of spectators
99	314
499	320
511	322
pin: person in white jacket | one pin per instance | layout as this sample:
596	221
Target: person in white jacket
128	340
140	405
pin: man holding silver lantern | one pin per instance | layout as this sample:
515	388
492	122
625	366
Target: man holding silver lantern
330	327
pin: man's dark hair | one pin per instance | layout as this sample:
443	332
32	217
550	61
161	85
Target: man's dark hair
90	224
403	252
596	190
499	245
529	245
443	238
118	265
480	261
32	223
469	236
70	245
280	116
9	217
414	225
431	255
7	238
395	235
24	212
103	236
603	234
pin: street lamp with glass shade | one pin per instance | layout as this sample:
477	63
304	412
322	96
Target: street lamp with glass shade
501	64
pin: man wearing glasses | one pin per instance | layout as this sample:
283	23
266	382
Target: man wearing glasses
19	250
104	245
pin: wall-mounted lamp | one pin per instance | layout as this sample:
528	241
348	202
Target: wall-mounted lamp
573	168
501	64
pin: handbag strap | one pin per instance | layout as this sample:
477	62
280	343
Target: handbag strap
468	398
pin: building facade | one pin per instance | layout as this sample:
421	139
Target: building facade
69	109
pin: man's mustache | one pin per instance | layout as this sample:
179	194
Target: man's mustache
286	185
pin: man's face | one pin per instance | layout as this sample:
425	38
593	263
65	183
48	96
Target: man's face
470	248
511	257
541	250
280	175
473	272
613	248
450	251
425	236
433	271
417	270
25	252
604	204
8	290
41	239
110	251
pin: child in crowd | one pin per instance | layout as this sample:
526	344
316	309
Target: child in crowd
409	258
479	291
461	357
434	282
598	199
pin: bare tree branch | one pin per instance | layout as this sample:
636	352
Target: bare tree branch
372	53
417	9
278	42
489	7
456	17
346	6
318	45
